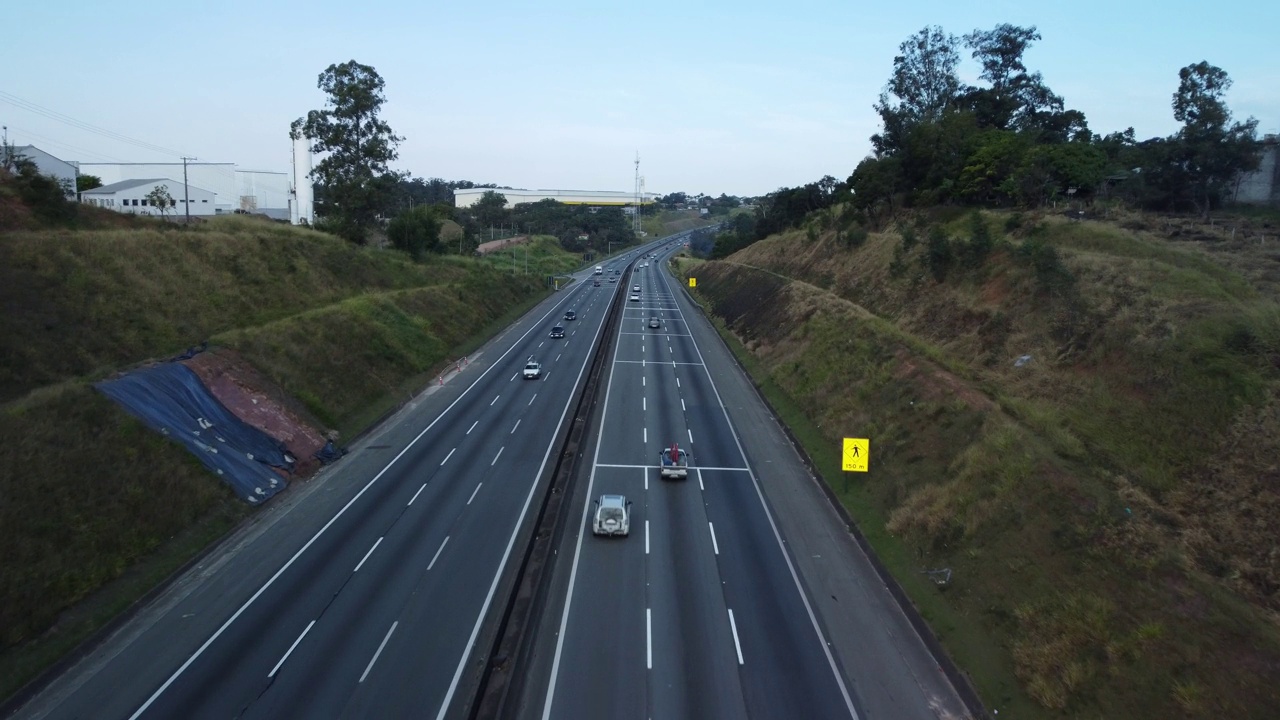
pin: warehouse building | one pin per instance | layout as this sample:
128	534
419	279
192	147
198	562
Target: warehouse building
254	191
56	168
130	196
469	197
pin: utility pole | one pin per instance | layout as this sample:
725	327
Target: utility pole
186	194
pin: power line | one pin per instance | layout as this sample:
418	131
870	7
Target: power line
58	143
29	106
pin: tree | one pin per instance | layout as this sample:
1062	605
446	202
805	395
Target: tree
1214	151
923	85
160	199
355	175
415	231
491	209
87	182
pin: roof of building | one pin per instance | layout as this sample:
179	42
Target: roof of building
130	184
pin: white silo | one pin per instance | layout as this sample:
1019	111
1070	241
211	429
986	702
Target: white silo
301	205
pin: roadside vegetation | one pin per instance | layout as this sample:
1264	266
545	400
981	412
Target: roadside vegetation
97	508
1081	426
1065	350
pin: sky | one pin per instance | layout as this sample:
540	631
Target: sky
716	97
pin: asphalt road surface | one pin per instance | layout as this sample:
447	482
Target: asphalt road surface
363	591
708	609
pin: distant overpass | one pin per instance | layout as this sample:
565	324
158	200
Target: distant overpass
467	198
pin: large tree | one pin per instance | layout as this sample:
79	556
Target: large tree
923	85
354	174
1214	150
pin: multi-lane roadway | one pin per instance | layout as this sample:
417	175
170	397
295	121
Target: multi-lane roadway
366	593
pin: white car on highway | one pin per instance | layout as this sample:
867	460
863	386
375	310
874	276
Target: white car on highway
613	516
532	369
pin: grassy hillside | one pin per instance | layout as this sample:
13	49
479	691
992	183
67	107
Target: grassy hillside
96	507
1109	507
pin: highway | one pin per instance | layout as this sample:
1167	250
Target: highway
366	591
703	612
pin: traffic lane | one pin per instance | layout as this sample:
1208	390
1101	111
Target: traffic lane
695	670
785	670
605	651
710	435
666	419
624	436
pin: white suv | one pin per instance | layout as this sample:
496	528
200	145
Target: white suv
613	516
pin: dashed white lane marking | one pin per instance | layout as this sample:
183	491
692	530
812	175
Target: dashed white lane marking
646	435
374	659
646	537
558	357
415	495
513	377
677	382
446	457
513	428
535	397
289	652
473	494
736	645
690	436
644	404
682	407
474	424
437	555
366	555
648	638
495	457
714	545
494	400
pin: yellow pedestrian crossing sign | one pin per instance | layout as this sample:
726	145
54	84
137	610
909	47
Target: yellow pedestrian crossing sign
856	455
693	282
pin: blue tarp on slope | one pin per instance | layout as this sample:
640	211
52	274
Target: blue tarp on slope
171	400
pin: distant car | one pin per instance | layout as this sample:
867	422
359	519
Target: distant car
595	283
635	297
613	280
613	516
654	322
571	316
532	369
635	288
557	331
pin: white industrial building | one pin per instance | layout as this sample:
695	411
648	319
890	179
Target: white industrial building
130	196
56	168
469	197
254	191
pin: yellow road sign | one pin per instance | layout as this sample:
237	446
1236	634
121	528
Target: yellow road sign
857	454
693	282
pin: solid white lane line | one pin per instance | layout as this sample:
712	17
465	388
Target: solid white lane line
646	537
513	428
495	457
415	495
446	457
777	536
690	436
374	659
535	397
714	545
682	407
473	427
366	555
494	400
736	645
473	494
648	638
289	652
437	555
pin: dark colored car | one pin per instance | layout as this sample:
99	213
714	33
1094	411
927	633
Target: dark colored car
571	316
557	332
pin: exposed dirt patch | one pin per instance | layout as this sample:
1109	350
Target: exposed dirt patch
936	384
258	402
